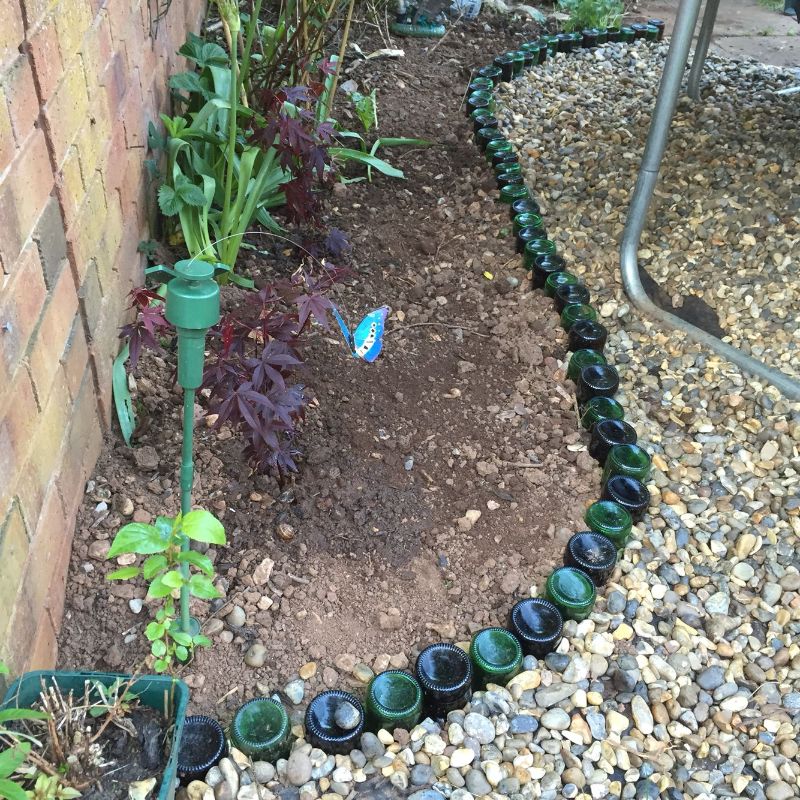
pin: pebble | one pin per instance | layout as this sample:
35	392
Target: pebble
347	716
295	690
555	719
256	655
298	768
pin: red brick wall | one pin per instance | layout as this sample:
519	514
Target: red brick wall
79	81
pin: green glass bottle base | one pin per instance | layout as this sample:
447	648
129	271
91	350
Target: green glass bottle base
433	31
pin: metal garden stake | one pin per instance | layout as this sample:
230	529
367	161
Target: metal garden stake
192	307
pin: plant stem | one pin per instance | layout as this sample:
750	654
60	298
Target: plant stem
187	478
340	62
252	25
231	153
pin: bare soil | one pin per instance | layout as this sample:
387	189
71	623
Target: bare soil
468	408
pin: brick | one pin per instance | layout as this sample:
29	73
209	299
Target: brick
23	102
21	304
48	67
11	30
14	546
51	240
66	110
44	650
133	116
19	635
34	10
96	51
31	182
94	141
12	239
72	21
51	336
115	81
86	231
8	145
18	424
75	359
70	186
90	296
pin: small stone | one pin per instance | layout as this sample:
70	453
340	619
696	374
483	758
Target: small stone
779	790
330	677
479	728
347	716
135	605
298	768
371	746
98	549
256	655
461	757
308	670
236	617
363	673
476	783
295	690
263	572
421	775
711	678
263	772
642	716
146	458
555	719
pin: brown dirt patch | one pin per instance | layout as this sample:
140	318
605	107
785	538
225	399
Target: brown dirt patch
470	386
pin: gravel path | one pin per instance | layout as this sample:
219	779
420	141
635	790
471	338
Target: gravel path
685	681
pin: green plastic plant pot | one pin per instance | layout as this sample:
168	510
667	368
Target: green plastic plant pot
394	700
580	359
599	408
610	519
556	279
496	656
576	312
261	729
572	591
627	459
508	194
169	696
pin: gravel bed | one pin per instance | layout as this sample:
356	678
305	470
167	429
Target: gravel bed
685	680
726	220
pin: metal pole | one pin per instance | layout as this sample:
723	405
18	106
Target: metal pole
187	479
642	196
701	48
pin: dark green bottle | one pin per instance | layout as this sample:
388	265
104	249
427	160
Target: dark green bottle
608	433
576	312
394	700
510	167
659	25
628	492
596	380
506	64
610	519
519	62
445	673
509	179
652	33
480	99
526	235
497	146
486	135
582	358
543	267
556	279
572	591
599	408
613	34
524	205
492	72
543	51
588	335
627	459
538	625
508	194
334	722
527	220
261	730
484	119
496	657
480	83
504	157
565	43
639	30
627	34
593	554
552	44
570	295
538	247
602	35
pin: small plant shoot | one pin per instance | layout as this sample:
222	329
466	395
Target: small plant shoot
161	544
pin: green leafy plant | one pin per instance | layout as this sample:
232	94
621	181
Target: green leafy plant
591	13
167	568
366	108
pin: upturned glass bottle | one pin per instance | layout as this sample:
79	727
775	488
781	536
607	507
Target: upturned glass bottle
492	72
496	657
543	267
497	146
628	492
484	119
480	99
627	34
538	247
627	459
511	167
593	554
519	62
486	135
582	358
445	673
574	313
508	194
480	83
565	42
261	729
334	722
639	30
509	179
599	408
591	37
608	433
611	520
570	294
596	380
588	335
527	220
506	64
572	591
202	745
528	234
659	25
613	34
394	700
544	51
602	35
524	205
538	625
560	278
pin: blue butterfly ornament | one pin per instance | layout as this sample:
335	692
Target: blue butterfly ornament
366	341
